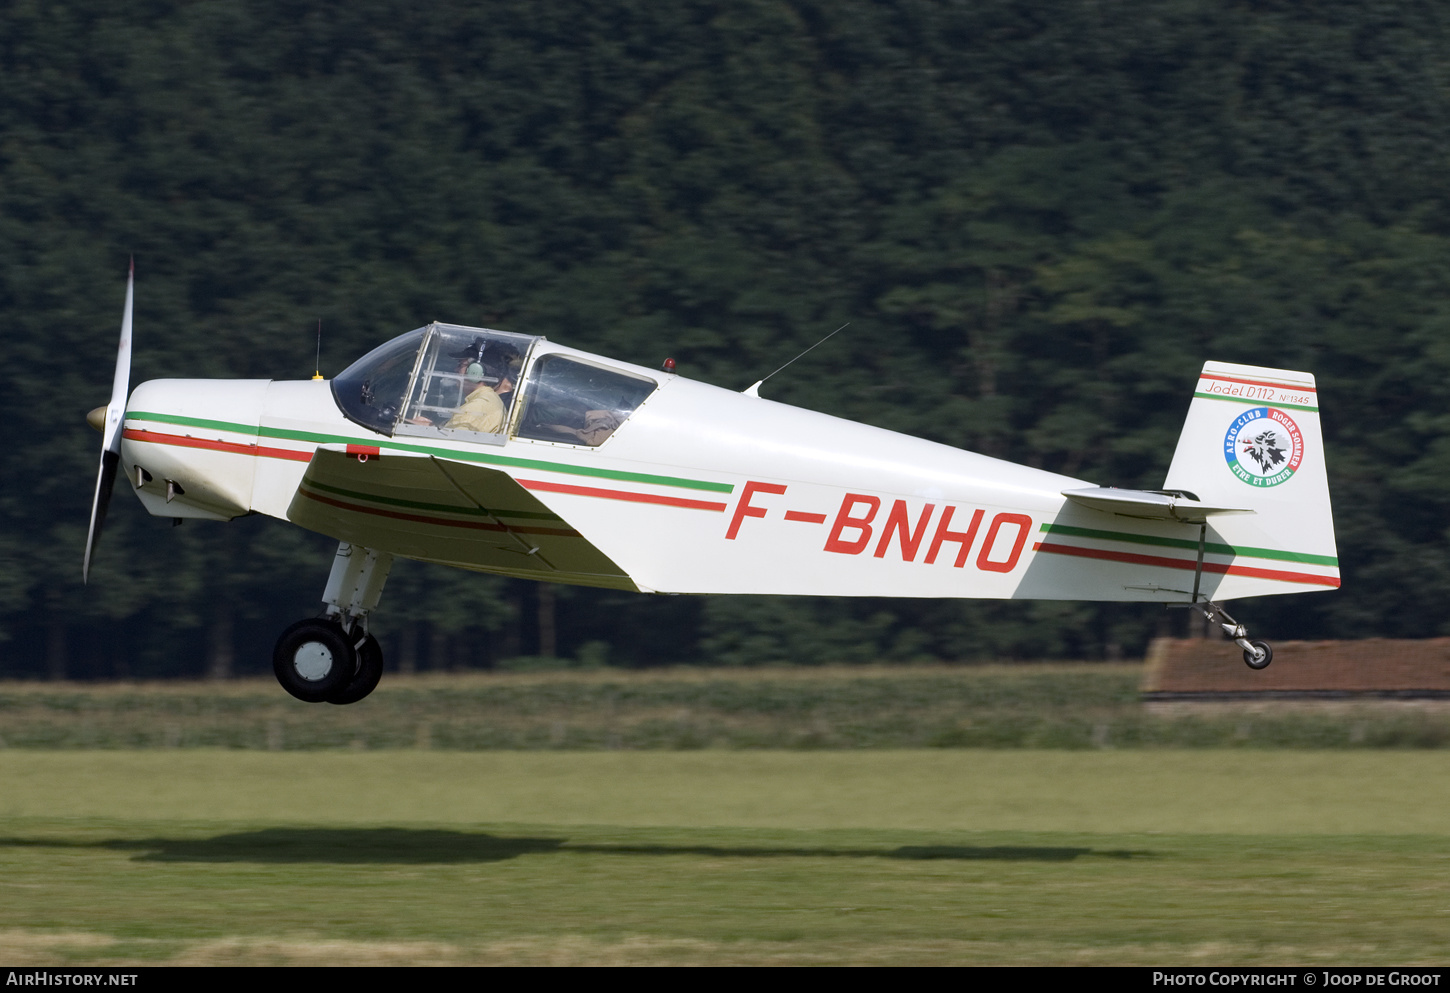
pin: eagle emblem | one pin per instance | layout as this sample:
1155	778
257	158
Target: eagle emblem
1263	446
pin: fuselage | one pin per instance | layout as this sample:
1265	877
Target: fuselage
697	489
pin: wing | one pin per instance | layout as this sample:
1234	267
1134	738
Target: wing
452	513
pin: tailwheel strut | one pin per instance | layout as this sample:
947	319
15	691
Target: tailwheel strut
1257	654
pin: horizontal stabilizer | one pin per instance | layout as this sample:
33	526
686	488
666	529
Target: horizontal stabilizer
1162	505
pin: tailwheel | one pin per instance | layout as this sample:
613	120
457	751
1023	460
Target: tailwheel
365	679
1258	655
314	660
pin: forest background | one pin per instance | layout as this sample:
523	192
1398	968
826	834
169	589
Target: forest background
1040	219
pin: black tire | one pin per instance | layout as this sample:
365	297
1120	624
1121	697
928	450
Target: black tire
365	679
1262	663
313	660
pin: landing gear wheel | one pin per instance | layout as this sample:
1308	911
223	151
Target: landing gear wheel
314	660
1261	657
369	671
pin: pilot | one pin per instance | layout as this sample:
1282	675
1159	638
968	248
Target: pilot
485	410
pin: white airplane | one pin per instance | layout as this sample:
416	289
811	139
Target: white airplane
510	454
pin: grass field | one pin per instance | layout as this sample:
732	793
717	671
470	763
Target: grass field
1150	856
1052	706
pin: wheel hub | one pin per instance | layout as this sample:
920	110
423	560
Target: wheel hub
313	661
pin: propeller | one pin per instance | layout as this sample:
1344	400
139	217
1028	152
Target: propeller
115	414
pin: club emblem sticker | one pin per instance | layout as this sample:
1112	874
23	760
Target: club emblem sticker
1263	446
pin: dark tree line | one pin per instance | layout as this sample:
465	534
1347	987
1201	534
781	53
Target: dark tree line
1038	218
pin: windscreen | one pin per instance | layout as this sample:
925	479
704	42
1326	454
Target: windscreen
371	390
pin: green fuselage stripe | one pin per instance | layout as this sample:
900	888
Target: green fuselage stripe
1256	403
1212	547
484	458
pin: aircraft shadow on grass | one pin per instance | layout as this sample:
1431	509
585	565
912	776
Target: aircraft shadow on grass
431	846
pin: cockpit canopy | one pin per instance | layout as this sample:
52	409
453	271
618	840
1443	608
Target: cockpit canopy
420	379
445	380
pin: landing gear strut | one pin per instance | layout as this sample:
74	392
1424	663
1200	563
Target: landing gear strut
1257	654
333	658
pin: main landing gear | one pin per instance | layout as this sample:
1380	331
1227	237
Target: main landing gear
332	658
1257	654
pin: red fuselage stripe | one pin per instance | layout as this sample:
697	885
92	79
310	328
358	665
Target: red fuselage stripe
1167	563
594	491
531	484
261	451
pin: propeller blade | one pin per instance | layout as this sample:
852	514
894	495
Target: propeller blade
111	441
105	480
121	384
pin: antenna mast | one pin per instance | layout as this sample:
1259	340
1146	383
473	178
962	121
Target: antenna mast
317	369
754	390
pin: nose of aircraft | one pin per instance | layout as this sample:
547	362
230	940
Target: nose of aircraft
97	419
190	444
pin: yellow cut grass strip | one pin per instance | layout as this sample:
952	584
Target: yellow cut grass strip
27	948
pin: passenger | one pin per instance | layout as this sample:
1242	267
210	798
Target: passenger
508	359
598	425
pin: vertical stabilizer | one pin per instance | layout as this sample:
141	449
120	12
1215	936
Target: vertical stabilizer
1252	440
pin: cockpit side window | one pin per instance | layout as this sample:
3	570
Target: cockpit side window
464	386
577	403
